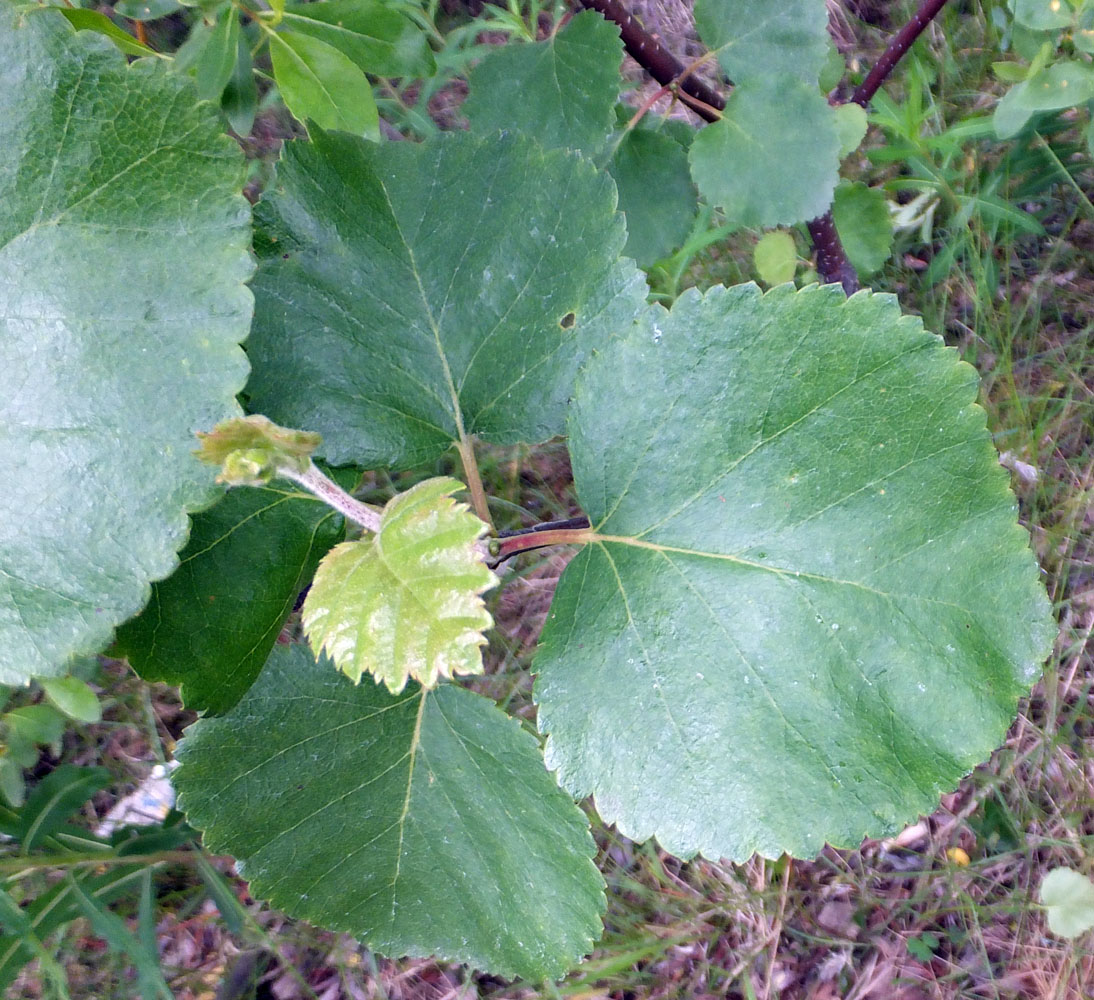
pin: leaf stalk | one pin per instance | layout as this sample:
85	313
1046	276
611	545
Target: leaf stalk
327	490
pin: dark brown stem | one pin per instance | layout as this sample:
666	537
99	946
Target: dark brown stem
896	49
832	262
652	56
648	52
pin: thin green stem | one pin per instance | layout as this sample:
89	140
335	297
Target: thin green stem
466	448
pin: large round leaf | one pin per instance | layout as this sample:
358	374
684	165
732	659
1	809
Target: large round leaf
412	294
773	159
123	252
424	823
807	608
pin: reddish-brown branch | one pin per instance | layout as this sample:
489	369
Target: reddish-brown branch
896	49
652	56
505	548
648	52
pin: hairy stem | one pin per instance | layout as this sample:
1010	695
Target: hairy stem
331	493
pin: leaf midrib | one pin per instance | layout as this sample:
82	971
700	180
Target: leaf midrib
779	571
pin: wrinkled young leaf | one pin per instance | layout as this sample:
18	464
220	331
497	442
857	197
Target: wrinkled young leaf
865	227
377	38
773	160
650	170
253	450
105	373
319	83
824	617
406	602
211	625
409	293
1068	898
760	38
561	90
423	823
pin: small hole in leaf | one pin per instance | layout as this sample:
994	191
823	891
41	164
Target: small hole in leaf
567	322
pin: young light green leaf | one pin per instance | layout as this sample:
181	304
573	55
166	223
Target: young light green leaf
650	170
773	160
376	37
211	625
755	38
73	697
405	603
253	450
104	377
851	127
826	615
776	258
864	224
214	66
1068	898
321	84
411	294
561	90
422	823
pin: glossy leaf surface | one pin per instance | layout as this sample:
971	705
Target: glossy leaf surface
377	38
210	626
773	160
411	293
100	162
423	823
561	90
405	603
320	83
824	618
